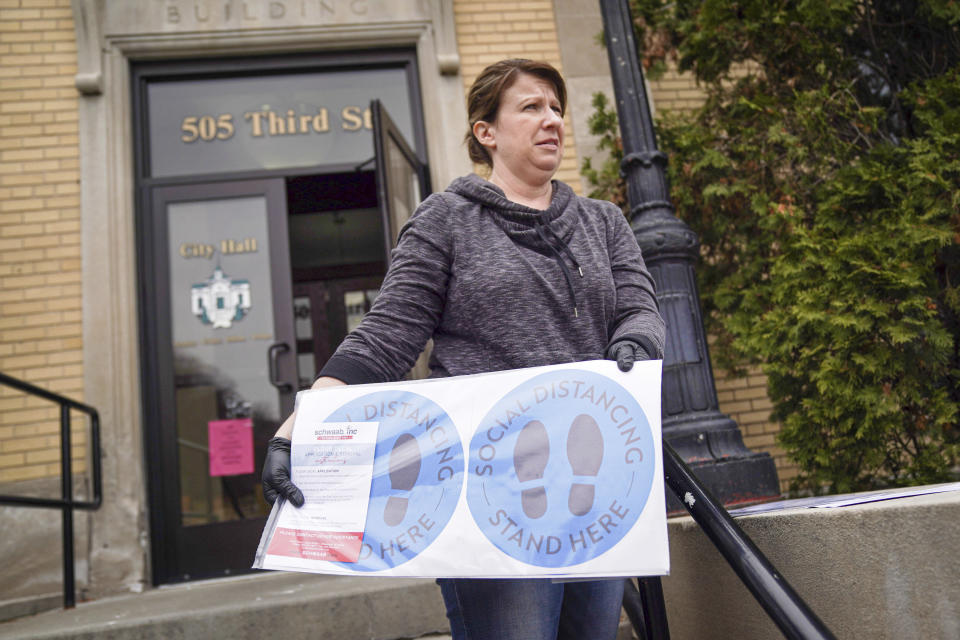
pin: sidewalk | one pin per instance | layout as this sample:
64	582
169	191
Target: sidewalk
262	605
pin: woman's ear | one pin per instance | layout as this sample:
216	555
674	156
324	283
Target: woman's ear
485	133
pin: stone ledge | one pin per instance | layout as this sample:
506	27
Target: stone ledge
29	605
877	570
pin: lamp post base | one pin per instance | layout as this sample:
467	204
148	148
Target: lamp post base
734	475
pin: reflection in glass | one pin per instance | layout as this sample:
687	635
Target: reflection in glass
357	303
307	369
303	327
336	237
402	185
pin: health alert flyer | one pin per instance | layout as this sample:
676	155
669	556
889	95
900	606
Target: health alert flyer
549	471
332	463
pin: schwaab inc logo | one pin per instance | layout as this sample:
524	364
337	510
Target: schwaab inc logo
560	468
417	475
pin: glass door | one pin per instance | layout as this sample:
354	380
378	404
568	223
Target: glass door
402	183
226	370
402	180
326	311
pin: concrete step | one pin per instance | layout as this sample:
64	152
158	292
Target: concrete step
277	605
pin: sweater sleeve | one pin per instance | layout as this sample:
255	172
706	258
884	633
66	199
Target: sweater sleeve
637	313
408	308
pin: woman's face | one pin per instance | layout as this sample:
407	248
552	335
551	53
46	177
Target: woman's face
526	139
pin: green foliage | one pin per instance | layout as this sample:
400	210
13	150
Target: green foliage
606	181
823	177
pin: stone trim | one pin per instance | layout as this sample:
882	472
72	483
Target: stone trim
119	539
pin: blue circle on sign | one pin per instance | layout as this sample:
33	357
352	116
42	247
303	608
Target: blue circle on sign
417	476
560	468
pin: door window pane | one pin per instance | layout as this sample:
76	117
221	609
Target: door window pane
336	237
304	333
303	326
357	303
222	320
403	185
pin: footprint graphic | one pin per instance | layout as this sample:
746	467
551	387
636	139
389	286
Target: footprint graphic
585	453
530	455
404	470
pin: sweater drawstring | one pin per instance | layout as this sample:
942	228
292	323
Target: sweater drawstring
539	226
566	249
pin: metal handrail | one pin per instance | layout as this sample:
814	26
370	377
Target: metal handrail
66	503
784	606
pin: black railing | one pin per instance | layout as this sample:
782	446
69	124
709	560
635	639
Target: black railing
645	607
65	503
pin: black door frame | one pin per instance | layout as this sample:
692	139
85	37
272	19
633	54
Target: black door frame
207	541
155	366
385	131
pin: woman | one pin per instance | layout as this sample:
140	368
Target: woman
509	272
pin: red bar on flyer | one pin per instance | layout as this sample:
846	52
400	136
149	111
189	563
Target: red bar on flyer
332	546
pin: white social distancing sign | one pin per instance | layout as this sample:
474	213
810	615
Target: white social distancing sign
549	471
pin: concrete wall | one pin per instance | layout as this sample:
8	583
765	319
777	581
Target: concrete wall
878	571
31	549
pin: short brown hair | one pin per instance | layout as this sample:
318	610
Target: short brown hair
483	100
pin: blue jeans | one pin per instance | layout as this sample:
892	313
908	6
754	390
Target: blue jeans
532	608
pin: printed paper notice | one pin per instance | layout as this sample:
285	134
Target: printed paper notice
231	446
332	463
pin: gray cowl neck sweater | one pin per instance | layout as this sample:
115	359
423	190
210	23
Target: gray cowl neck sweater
498	285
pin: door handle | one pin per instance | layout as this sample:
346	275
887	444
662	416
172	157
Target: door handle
273	353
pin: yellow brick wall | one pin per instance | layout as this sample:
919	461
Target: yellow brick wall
745	400
40	315
675	91
491	31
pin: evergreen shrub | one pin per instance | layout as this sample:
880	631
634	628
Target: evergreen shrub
822	175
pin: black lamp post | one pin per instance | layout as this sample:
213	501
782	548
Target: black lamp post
707	440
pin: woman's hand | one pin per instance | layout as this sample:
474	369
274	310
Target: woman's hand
626	352
276	466
276	473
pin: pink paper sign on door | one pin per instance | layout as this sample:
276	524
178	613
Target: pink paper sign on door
231	447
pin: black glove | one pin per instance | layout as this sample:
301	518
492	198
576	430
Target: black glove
276	473
626	352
